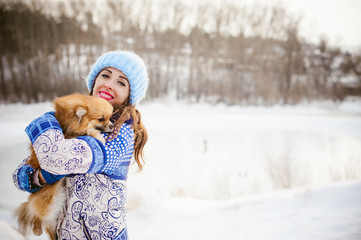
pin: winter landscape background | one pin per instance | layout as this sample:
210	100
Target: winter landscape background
221	172
253	110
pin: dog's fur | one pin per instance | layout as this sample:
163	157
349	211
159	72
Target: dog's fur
78	115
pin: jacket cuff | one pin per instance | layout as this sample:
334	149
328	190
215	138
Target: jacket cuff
23	179
42	124
51	178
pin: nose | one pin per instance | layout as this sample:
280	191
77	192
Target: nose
109	84
109	128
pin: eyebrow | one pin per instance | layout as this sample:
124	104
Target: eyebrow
120	76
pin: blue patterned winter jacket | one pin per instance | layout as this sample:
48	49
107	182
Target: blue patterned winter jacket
96	178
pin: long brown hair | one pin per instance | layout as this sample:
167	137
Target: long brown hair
130	113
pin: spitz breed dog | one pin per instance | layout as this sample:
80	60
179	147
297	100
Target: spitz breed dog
78	115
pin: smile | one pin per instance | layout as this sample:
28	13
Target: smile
105	95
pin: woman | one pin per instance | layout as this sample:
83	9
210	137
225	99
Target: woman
96	184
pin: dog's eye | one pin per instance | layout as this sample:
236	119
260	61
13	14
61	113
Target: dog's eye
101	119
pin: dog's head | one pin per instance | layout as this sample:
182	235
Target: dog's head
77	114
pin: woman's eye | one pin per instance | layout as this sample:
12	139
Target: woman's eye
105	75
121	83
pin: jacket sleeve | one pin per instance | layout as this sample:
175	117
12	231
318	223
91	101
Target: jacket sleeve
26	178
60	156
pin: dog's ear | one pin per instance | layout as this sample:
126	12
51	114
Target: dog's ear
80	112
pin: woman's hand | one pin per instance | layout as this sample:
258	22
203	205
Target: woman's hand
41	179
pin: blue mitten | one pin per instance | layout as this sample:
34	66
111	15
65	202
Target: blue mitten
23	177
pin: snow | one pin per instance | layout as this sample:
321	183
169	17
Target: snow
324	213
226	172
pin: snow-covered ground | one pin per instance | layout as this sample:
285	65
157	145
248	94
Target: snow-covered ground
218	172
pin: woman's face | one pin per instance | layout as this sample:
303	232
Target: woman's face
112	85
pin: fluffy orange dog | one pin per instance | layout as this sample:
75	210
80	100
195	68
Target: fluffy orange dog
77	115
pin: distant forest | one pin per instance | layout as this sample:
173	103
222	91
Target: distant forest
250	55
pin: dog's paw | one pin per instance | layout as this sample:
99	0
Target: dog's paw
96	135
101	138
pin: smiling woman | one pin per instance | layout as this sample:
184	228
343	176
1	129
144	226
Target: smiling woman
96	196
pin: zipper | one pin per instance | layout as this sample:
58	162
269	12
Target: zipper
85	230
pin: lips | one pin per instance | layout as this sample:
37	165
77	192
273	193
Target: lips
105	95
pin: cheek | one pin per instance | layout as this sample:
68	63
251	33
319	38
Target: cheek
97	84
126	93
123	94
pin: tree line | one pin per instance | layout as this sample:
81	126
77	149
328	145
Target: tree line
233	54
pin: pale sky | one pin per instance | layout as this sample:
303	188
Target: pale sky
338	20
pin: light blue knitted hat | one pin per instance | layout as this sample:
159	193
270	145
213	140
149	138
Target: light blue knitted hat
130	64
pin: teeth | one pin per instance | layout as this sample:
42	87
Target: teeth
105	95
